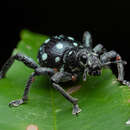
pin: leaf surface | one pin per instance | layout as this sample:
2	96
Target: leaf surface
104	102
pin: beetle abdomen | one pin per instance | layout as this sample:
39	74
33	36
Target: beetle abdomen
52	51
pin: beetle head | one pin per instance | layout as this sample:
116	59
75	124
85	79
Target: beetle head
89	61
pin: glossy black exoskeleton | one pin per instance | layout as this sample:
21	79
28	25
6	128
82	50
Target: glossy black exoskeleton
64	59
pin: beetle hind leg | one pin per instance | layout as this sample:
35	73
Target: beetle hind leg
38	71
16	103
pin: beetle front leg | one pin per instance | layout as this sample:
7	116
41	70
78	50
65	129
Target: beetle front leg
64	77
121	73
38	71
105	59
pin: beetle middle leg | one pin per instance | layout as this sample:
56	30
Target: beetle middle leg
20	57
64	77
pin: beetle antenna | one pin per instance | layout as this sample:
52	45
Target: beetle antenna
114	62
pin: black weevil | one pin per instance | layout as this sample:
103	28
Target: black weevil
64	59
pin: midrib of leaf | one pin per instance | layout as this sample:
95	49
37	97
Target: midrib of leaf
53	108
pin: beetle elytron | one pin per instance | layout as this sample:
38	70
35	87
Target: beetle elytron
64	59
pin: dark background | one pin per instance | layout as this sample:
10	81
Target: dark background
109	23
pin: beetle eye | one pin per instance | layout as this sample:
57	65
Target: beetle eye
83	59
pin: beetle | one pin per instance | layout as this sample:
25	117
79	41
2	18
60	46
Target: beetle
64	59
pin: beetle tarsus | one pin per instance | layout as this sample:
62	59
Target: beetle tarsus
125	82
16	103
76	109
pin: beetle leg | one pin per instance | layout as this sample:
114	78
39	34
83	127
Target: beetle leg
121	73
106	57
38	71
64	77
26	60
98	49
45	71
25	95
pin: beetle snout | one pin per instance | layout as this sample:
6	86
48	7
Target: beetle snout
96	67
94	64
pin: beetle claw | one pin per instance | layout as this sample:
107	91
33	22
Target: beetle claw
76	110
125	82
16	103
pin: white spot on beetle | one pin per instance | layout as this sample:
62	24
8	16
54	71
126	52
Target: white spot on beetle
57	59
44	56
40	48
59	46
70	52
81	46
70	38
75	44
47	41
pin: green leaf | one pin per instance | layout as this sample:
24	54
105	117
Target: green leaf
104	102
